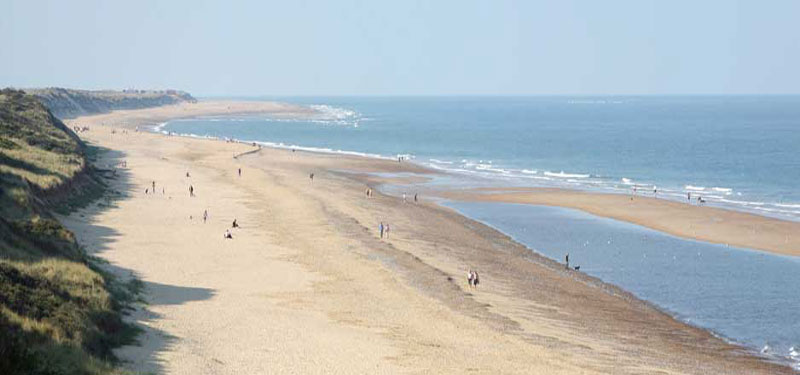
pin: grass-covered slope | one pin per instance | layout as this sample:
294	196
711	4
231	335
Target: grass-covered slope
59	314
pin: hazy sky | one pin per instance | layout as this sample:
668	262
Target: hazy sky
404	47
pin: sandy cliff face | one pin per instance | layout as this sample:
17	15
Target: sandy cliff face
68	103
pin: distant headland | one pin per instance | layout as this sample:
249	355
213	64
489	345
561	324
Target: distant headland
69	103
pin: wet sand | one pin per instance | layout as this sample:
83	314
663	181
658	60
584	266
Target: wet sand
307	286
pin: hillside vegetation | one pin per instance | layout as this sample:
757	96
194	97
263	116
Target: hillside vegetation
68	103
59	313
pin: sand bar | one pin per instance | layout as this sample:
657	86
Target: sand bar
686	220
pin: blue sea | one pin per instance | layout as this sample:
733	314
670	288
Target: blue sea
740	152
737	152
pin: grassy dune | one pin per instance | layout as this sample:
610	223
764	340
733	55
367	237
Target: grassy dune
59	312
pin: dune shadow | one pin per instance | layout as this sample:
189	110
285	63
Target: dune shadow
163	294
97	239
152	341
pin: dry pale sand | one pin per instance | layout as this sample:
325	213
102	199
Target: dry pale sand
704	223
306	285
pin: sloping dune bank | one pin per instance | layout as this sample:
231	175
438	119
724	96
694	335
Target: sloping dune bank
307	286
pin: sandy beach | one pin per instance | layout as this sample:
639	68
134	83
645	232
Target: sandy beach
306	285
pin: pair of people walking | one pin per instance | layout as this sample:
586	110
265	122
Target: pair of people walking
384	229
473	279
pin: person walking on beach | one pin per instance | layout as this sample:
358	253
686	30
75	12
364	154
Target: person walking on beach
475	279
311	177
655	192
240	172
191	191
404	198
689	197
381	229
387	231
205	216
470	278
415	197
567	260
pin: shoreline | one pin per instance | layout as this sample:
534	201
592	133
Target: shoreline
421	258
708	223
727	226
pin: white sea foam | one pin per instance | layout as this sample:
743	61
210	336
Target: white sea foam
441	161
694	188
334	112
743	203
160	127
323	150
562	174
328	115
529	171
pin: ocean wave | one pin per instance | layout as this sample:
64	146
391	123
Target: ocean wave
328	114
324	150
160	127
441	161
528	171
726	191
694	188
334	112
565	175
742	203
491	168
